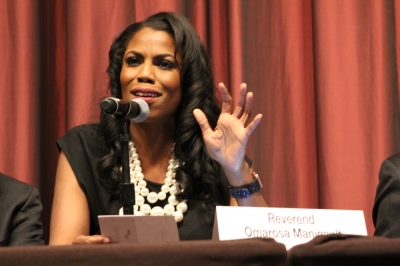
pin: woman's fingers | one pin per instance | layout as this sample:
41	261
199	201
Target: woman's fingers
243	108
202	121
250	128
247	109
242	111
226	99
242	101
94	239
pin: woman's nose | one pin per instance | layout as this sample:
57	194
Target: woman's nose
146	73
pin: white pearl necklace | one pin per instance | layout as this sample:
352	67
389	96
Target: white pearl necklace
141	208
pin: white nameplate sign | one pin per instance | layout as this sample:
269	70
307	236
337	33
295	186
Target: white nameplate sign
290	226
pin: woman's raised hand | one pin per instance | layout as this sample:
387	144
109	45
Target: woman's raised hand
227	142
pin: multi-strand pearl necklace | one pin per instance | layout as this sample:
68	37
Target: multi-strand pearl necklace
142	193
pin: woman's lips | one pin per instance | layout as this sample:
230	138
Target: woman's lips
148	95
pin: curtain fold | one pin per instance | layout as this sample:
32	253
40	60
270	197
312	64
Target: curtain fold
355	80
324	75
19	134
279	67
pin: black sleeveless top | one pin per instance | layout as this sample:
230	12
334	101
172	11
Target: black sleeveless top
84	146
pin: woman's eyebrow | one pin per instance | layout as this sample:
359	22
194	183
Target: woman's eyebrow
140	54
135	53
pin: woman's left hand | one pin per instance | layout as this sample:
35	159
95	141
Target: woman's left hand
227	142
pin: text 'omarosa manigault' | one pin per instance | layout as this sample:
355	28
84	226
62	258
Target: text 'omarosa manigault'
296	233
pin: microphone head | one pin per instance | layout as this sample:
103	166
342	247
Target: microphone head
144	111
109	105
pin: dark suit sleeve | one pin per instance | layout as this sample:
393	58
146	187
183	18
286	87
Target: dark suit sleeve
27	225
386	211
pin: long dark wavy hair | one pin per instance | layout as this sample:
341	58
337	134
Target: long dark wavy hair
197	173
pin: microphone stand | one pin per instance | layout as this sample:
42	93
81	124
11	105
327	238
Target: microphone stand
127	189
136	111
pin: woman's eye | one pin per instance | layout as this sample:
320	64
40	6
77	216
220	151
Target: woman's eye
164	64
132	61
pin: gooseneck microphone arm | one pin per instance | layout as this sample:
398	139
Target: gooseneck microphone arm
127	189
135	111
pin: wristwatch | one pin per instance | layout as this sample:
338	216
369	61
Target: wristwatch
246	190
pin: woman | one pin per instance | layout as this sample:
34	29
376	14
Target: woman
162	61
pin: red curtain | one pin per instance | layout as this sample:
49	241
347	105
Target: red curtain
324	75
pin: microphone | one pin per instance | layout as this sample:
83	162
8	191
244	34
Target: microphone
136	110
